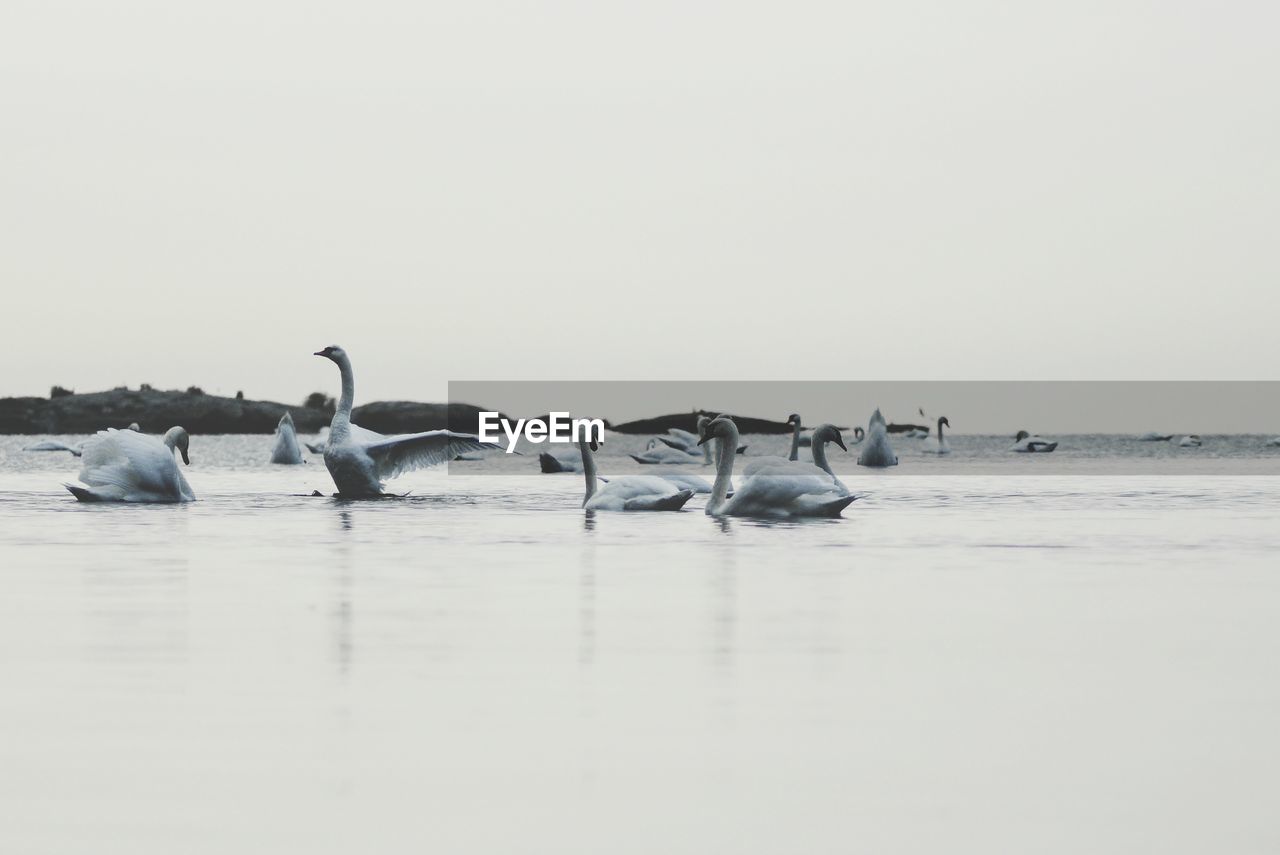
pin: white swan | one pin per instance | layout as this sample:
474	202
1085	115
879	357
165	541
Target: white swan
127	466
1189	441
75	450
1028	443
360	460
822	435
1155	437
322	439
938	445
877	452
683	440
628	492
779	492
286	449
658	452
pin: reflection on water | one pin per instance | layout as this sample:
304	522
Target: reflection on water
989	653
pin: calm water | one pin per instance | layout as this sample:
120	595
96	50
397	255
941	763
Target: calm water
1002	661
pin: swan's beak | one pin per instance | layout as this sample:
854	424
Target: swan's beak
840	442
186	460
703	440
319	353
595	446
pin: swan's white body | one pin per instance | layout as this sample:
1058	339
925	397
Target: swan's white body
629	492
877	452
286	448
684	480
1189	441
360	461
1030	444
682	440
658	452
1155	437
777	492
820	467
75	450
939	444
916	433
127	466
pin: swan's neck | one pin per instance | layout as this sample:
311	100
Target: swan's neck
706	454
588	471
820	456
795	442
726	447
939	431
342	416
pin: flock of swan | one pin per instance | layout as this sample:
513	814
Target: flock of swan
130	466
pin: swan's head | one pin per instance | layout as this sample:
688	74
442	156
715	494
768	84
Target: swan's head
793	419
702	423
591	444
177	437
829	433
332	352
943	421
286	419
1022	434
720	426
135	427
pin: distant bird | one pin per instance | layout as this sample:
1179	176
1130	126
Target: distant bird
778	493
1155	437
658	452
1189	441
286	449
628	492
938	445
75	450
127	466
877	452
360	460
1027	443
687	442
322	440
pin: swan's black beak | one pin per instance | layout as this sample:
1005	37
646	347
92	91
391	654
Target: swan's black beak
840	442
186	460
595	446
703	440
319	353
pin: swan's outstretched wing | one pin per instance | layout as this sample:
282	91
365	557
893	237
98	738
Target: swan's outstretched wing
53	445
395	455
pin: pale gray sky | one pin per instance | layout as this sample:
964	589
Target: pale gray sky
208	193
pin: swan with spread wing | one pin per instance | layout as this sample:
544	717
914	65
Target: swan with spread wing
360	460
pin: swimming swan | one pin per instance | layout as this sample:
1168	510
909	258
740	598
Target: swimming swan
360	460
1189	441
822	435
628	492
286	449
771	492
127	466
938	445
1028	443
1155	437
877	452
657	452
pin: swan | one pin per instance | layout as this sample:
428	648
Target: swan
286	449
657	452
1028	443
1155	437
822	435
628	492
778	492
687	442
1189	441
360	460
877	452
322	439
128	466
75	450
939	445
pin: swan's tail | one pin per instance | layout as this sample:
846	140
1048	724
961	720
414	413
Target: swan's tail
638	459
673	502
549	463
834	507
84	494
742	449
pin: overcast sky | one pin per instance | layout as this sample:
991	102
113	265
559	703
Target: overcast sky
207	193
